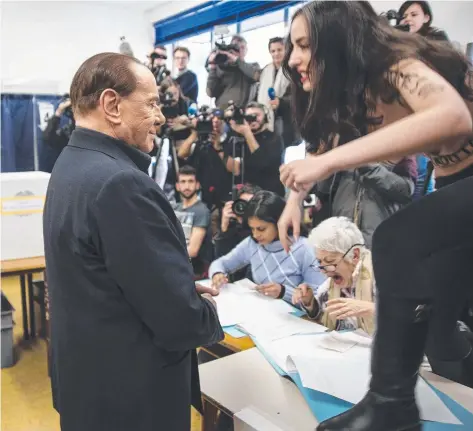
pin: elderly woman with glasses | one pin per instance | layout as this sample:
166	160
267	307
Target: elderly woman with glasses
346	299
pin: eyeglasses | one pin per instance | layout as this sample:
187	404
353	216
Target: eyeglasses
333	266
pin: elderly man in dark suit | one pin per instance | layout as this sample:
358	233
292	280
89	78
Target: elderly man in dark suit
126	316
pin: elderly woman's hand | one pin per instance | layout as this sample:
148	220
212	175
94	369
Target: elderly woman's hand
304	295
342	308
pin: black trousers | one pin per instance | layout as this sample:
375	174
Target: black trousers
425	252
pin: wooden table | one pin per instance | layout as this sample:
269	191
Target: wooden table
25	268
247	379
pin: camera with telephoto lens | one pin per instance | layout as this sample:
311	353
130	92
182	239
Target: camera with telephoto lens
392	15
239	207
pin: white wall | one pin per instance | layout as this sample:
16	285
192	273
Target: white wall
44	42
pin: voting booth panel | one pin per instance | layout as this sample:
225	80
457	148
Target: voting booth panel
22	197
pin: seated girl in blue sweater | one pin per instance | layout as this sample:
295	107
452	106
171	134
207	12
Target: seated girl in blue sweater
275	272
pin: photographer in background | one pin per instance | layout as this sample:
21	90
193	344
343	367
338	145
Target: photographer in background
173	102
263	148
230	77
59	128
205	152
275	93
173	106
186	79
157	63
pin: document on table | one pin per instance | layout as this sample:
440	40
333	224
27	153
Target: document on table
240	302
348	378
281	325
343	341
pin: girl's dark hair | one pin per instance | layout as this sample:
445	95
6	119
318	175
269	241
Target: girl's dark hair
352	52
267	206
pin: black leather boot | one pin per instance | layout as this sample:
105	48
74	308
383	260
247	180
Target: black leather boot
398	350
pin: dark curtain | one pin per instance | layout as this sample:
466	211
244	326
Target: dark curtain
17	133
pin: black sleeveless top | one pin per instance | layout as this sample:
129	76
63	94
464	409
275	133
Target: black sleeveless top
450	179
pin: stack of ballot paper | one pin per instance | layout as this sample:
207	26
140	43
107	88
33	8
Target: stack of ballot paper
338	364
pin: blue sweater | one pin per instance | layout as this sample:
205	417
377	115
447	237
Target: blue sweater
271	264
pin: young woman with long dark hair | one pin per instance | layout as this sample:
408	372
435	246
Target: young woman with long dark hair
353	74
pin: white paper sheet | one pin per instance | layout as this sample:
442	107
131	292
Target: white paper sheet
343	341
347	377
279	325
240	302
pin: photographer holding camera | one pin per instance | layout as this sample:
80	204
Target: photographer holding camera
59	128
230	77
204	149
261	163
157	64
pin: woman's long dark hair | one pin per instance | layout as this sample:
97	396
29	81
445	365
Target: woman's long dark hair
352	51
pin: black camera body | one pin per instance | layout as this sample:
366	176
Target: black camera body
392	15
161	72
204	120
235	113
170	107
222	59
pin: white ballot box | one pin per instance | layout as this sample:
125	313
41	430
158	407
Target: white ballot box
22	198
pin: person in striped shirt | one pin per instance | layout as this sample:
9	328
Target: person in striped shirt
276	273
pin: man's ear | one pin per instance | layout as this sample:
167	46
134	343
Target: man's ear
110	104
426	18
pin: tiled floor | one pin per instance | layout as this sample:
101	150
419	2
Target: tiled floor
26	393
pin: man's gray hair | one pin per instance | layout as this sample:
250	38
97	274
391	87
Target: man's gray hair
336	235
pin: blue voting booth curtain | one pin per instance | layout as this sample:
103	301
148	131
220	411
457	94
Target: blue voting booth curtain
20	119
17	133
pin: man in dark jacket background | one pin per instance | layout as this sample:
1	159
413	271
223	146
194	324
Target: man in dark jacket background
126	316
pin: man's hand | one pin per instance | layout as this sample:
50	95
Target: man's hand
304	295
270	289
232	58
342	308
227	215
242	129
218	280
274	104
204	290
62	107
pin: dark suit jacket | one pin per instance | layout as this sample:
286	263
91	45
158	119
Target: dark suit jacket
125	316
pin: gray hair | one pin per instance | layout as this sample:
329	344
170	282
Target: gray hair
336	235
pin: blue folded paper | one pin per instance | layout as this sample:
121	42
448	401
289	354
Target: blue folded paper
326	406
